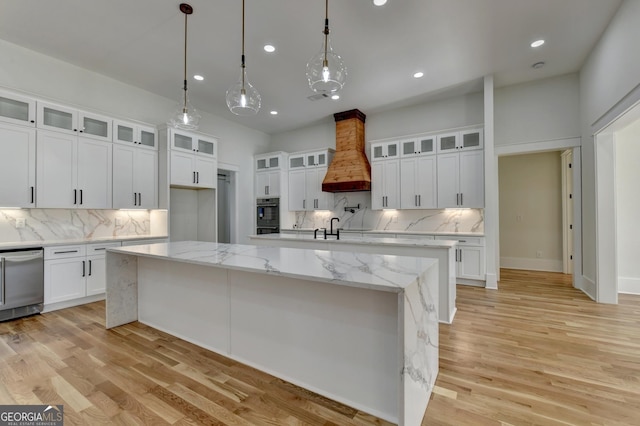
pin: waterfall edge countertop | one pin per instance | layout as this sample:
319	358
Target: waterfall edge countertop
377	272
357	239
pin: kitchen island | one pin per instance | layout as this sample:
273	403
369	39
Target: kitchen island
359	328
442	250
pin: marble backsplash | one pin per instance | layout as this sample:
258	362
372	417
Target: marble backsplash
440	220
62	224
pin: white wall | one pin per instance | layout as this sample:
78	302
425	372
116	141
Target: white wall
540	110
46	77
531	211
627	152
611	71
444	114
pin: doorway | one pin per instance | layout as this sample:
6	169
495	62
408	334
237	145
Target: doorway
616	155
532	226
227	232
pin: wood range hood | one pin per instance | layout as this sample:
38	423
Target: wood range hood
350	170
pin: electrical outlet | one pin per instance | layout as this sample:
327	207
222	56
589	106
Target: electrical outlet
21	222
539	254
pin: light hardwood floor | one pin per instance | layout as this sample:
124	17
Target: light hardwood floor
536	351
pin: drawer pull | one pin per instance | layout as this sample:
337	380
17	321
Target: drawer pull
98	249
65	251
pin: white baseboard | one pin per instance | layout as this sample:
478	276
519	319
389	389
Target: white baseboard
628	285
71	303
492	282
548	265
589	287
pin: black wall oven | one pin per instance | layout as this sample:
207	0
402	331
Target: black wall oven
268	216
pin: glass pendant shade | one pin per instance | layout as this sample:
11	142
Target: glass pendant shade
326	76
185	116
242	98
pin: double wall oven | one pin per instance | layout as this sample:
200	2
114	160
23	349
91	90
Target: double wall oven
268	216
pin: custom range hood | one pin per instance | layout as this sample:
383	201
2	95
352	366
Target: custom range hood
350	170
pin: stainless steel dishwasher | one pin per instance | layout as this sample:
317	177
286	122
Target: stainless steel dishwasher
21	282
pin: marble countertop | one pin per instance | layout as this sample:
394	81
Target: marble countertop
371	271
373	231
48	243
358	239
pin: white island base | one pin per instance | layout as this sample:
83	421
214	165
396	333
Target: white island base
361	329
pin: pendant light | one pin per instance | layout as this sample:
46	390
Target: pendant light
326	71
185	117
242	97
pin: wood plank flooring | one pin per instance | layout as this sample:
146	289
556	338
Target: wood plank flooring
535	352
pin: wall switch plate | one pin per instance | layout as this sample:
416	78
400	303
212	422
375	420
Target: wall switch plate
21	222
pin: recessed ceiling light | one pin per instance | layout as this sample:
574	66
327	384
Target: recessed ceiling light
538	65
379	2
537	43
419	74
198	77
335	97
269	48
274	112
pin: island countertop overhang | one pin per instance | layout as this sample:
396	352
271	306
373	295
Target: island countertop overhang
377	272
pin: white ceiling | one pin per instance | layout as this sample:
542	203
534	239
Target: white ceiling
454	42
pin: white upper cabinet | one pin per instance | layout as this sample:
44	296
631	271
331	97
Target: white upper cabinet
268	161
461	180
418	183
127	133
311	159
61	118
424	145
385	185
384	150
17	166
135	185
464	140
73	172
193	160
17	109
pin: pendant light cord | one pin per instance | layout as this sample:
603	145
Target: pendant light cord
185	61
243	66
326	31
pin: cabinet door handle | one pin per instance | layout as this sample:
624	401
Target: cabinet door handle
419	200
304	204
462	199
266	190
460	255
75	196
135	199
197	177
456	255
415	200
33	195
83	268
81	197
457	199
139	198
89	268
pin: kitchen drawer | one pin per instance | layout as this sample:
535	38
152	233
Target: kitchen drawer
63	252
100	248
416	236
463	241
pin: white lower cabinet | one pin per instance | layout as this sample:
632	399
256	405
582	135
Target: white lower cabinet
74	272
470	257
